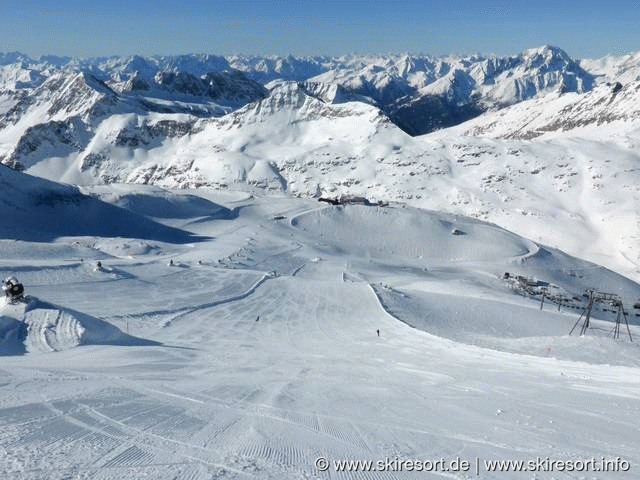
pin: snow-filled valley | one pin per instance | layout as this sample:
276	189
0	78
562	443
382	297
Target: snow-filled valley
243	267
242	342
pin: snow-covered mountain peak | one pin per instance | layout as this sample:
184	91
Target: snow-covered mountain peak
534	72
286	98
546	54
623	69
295	102
19	76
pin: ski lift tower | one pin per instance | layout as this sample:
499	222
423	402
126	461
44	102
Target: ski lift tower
610	299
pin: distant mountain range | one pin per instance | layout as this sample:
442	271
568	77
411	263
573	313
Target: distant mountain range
96	115
419	93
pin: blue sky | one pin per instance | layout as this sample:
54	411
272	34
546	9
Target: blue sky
316	27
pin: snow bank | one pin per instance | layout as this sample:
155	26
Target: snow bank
39	210
152	201
12	331
38	326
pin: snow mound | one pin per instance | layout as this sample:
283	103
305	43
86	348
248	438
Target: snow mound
38	326
412	233
152	201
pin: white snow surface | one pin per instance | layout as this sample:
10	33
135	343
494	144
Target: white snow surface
256	351
236	328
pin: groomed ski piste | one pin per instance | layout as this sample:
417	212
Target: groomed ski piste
245	335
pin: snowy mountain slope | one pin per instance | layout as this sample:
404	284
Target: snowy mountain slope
255	376
61	116
439	242
295	142
615	69
38	210
151	201
18	77
54	119
243	146
490	81
608	103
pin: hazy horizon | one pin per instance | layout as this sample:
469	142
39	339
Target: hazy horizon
328	28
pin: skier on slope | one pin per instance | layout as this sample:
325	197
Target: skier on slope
13	290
